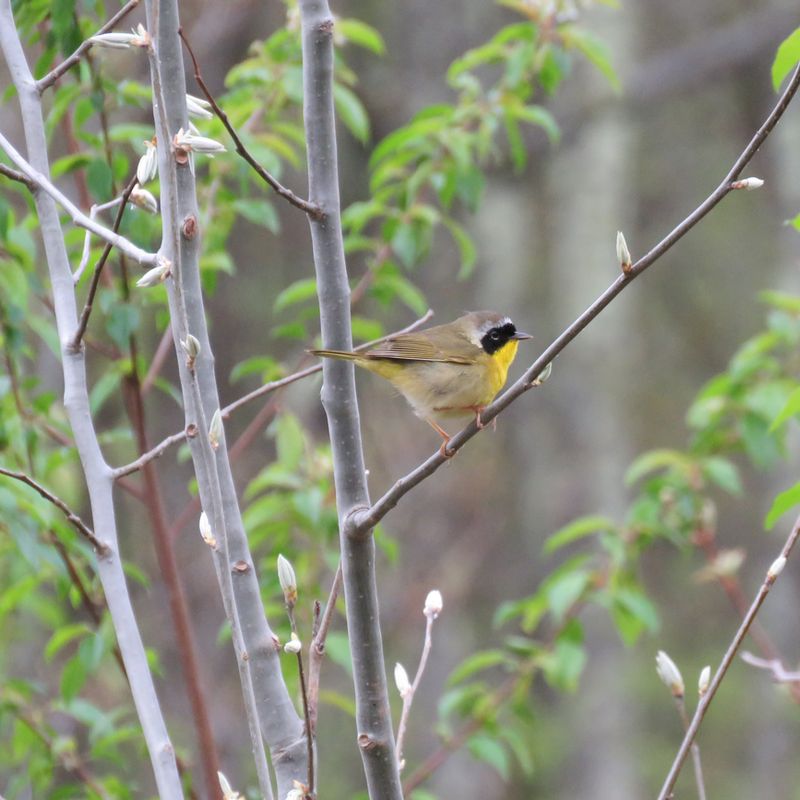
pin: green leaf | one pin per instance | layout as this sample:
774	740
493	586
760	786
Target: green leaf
563	593
786	58
653	461
485	748
361	34
595	51
63	636
537	115
124	321
723	473
289	440
577	530
73	677
294	293
352	112
782	300
259	212
99	179
466	247
638	613
791	408
781	504
476	663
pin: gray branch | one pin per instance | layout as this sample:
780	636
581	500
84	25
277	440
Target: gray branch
279	722
375	735
78	217
76	402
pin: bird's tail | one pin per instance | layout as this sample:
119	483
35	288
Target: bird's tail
343	354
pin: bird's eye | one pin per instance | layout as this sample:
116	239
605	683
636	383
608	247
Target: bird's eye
495	336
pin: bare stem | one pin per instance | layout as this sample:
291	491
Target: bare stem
14	175
365	519
279	188
316	651
408	699
101	548
774	665
78	217
373	714
48	80
155	452
680	703
75	344
741	633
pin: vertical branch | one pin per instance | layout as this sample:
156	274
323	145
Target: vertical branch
375	735
280	725
76	402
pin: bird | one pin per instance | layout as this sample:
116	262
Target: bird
447	371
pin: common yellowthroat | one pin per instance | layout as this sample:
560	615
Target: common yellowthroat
447	371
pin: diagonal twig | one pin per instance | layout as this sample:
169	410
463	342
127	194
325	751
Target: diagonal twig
46	81
75	343
14	175
727	659
361	521
287	194
79	525
78	217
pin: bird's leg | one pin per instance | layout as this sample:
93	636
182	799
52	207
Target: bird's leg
478	421
445	435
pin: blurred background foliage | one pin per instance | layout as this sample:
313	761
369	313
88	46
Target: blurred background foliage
489	154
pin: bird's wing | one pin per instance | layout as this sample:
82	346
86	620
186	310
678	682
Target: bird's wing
415	347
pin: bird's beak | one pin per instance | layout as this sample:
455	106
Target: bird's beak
520	335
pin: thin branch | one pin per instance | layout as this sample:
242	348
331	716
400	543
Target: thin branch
101	548
270	707
774	665
730	654
159	358
309	786
78	217
408	696
373	714
287	194
75	344
363	520
316	650
155	452
680	703
13	175
48	80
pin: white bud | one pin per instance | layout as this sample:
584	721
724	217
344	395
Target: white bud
227	792
669	673
188	142
401	680
623	254
294	645
543	375
704	680
433	604
147	168
191	346
205	530
138	37
288	580
198	107
145	200
748	184
215	429
776	568
157	275
299	791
